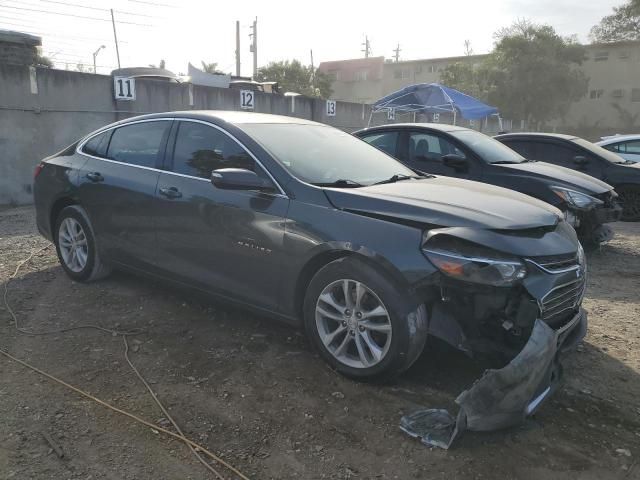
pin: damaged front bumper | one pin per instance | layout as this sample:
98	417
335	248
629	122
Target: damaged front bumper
503	397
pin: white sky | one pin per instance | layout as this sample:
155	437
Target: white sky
192	30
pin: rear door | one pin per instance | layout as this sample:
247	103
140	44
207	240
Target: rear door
224	241
117	188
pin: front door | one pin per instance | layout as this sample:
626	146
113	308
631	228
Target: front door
224	241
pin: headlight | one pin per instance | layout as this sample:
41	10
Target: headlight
577	199
473	263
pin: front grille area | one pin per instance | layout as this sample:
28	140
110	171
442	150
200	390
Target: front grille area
554	263
561	300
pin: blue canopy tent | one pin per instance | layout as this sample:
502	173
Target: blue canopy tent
433	98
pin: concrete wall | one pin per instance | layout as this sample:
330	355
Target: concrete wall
44	110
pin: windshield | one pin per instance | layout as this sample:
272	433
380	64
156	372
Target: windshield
487	148
321	154
599	151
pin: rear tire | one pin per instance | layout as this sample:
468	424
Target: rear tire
630	197
76	246
362	324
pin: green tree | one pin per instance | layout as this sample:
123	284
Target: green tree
472	79
534	74
622	24
42	61
211	68
293	76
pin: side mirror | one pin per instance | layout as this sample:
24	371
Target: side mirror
238	179
457	162
580	160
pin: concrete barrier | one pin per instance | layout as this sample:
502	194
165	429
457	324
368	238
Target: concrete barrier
43	110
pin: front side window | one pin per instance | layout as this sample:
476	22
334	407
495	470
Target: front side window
201	149
320	154
138	144
630	147
97	146
385	141
426	146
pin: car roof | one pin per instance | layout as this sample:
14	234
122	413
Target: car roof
229	116
442	127
617	138
560	136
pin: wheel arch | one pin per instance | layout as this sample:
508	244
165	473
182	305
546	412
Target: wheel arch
321	259
56	208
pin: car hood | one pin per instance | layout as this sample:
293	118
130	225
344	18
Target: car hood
445	201
565	176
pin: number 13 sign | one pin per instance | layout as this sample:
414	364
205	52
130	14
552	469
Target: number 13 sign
124	88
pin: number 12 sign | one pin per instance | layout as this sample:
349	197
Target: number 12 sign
124	88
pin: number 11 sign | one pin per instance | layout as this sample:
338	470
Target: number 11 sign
124	88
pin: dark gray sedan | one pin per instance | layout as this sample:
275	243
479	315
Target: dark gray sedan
303	222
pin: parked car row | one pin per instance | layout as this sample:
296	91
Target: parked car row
306	223
586	202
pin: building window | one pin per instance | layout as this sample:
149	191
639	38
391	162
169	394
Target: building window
401	73
601	56
333	75
617	93
361	75
635	95
431	69
593	94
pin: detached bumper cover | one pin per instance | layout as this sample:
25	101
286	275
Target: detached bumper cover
505	397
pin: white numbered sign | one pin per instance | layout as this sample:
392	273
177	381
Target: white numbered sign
391	114
124	88
246	99
331	108
436	117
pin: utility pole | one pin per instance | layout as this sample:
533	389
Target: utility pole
367	47
254	47
115	37
237	48
396	54
313	73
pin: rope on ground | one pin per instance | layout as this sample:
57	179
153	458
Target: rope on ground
194	447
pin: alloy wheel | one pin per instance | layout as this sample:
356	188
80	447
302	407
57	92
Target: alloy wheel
353	323
72	242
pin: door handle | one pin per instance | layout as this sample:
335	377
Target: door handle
170	192
95	177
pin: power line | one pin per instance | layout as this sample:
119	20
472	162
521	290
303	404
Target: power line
156	4
99	9
33	30
75	16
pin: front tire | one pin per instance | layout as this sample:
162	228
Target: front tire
630	197
362	324
76	246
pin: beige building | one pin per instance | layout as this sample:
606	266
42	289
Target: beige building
612	104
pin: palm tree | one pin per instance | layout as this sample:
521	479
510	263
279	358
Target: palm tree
211	68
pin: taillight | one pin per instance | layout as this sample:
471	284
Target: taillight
38	169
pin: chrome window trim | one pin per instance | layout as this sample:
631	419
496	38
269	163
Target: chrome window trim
99	132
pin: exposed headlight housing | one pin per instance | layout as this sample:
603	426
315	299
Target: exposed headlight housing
473	263
576	199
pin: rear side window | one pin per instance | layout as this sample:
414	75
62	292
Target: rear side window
138	144
200	149
628	147
97	146
386	141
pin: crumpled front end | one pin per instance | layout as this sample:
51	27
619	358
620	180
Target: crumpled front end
530	322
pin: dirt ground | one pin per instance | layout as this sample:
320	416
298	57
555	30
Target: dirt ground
253	392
